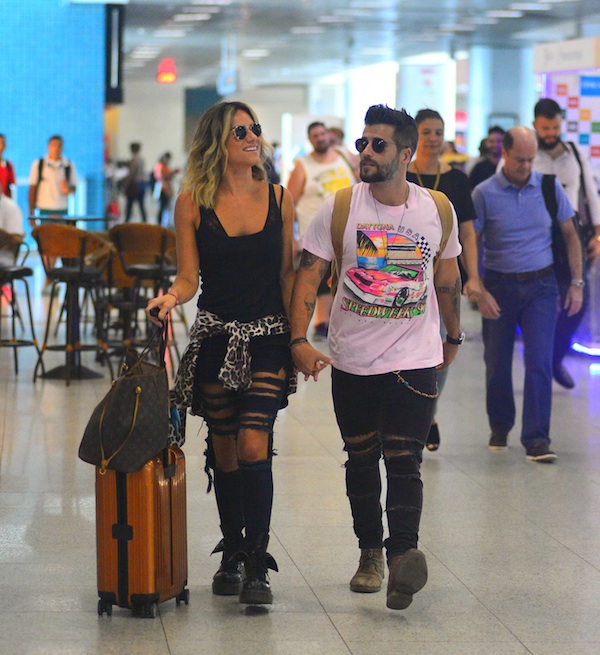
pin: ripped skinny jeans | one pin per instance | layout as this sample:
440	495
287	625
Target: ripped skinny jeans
390	415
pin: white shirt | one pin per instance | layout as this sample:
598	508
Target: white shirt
322	182
11	220
567	172
49	194
385	314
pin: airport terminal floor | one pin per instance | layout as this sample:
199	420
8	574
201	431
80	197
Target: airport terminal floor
513	547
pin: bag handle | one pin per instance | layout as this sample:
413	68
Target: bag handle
163	334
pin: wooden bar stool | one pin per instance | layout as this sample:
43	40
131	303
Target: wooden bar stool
82	256
146	253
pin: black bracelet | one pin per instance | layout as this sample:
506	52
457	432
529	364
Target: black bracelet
297	341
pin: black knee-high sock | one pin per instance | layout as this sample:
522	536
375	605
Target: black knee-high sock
228	491
257	497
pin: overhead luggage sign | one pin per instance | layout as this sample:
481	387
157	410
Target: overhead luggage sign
574	55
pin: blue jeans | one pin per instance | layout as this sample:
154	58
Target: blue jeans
530	304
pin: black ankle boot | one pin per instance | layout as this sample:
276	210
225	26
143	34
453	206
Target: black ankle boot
256	589
227	581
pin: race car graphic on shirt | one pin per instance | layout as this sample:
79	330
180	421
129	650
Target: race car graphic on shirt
390	274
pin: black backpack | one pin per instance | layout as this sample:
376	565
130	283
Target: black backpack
559	249
41	167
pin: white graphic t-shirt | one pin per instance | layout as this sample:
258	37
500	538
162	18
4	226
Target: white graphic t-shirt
385	314
322	182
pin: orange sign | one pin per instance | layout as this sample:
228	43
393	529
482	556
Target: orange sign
167	71
585	115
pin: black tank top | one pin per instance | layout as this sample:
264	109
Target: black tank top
240	275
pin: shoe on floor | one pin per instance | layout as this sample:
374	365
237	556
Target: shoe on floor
370	573
227	581
498	440
408	574
563	377
540	452
433	438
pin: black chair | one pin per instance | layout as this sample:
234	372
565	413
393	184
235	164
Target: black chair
11	246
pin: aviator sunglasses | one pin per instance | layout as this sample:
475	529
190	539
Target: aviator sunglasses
240	131
378	145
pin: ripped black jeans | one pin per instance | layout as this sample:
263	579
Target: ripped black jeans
240	431
387	414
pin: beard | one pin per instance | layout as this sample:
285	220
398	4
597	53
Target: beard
382	172
321	148
544	145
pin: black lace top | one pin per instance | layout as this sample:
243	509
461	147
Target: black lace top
240	275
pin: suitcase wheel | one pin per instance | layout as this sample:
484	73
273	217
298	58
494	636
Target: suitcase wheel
104	606
183	596
147	611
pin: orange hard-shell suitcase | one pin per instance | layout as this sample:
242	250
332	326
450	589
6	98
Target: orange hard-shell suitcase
141	535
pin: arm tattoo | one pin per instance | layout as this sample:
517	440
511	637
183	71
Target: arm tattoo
309	260
309	303
455	293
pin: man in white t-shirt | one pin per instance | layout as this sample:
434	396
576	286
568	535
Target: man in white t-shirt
571	167
51	180
385	343
316	177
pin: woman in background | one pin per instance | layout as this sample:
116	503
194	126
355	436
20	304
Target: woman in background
428	170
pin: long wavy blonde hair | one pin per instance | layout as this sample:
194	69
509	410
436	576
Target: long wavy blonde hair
208	156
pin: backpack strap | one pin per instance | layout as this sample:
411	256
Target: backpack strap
40	169
581	180
445	211
586	219
339	219
549	193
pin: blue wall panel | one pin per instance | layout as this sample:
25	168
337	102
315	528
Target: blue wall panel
52	82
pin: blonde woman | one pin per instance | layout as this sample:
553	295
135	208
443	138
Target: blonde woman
236	229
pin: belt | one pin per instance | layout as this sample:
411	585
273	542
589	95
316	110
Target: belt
529	275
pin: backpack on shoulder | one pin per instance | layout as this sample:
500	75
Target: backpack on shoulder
341	211
559	248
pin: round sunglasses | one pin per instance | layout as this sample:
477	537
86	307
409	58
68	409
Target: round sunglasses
240	131
378	145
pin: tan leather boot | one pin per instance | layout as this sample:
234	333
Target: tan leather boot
370	573
408	574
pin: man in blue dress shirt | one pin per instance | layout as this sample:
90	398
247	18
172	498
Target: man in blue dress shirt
514	227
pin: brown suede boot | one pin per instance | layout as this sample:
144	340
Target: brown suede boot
370	573
408	574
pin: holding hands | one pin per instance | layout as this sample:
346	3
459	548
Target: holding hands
308	360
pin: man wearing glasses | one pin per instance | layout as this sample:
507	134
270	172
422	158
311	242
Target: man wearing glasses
316	177
385	343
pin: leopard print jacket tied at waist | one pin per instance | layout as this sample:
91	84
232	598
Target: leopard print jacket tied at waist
235	372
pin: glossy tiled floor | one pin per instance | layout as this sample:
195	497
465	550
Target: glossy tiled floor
513	547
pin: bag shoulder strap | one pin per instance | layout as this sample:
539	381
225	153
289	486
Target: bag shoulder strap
577	157
582	187
339	220
549	193
581	180
445	211
40	169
